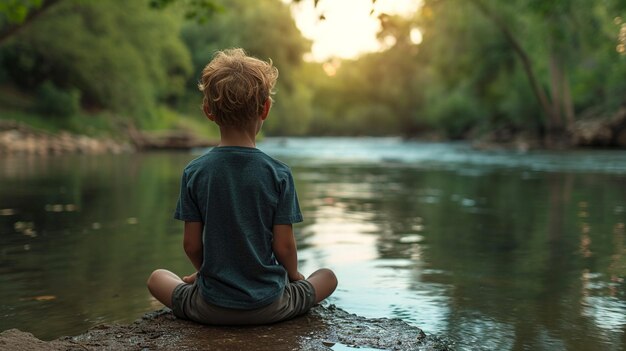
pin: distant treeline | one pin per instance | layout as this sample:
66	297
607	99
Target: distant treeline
530	66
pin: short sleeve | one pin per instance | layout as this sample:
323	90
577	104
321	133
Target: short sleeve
288	208
187	208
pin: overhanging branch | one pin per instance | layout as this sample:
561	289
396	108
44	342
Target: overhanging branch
11	29
538	91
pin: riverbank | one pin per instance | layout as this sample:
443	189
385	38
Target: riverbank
323	328
18	138
607	132
21	138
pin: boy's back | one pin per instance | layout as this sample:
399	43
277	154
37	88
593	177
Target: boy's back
239	205
239	193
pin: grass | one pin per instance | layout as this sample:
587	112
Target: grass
99	124
167	119
21	107
31	120
108	124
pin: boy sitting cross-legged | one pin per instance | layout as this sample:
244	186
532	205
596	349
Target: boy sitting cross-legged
239	205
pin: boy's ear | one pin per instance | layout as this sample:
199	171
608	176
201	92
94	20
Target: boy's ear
207	113
266	109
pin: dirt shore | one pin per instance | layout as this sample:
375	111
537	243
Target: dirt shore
18	138
323	328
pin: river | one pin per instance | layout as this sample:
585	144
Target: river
497	250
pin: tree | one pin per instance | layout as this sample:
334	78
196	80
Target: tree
563	24
485	43
15	14
18	13
518	49
265	29
122	56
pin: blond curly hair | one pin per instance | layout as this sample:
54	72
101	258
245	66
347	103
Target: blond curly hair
236	86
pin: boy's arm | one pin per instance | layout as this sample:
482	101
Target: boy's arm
192	243
284	246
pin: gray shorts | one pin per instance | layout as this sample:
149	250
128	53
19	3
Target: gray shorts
297	298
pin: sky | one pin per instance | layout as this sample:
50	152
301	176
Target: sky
348	29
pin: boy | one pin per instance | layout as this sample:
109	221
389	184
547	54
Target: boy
239	205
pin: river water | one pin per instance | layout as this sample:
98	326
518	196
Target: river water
496	250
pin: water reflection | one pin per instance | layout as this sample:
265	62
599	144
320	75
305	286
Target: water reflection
502	258
85	230
491	258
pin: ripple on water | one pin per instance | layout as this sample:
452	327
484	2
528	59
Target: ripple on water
608	312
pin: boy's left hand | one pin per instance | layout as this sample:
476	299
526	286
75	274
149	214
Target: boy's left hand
190	279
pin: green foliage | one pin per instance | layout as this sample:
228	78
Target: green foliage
199	10
511	104
15	11
91	124
292	112
53	101
265	29
122	56
142	59
454	112
169	119
379	94
569	45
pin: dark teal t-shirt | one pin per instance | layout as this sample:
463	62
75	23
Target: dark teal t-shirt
239	193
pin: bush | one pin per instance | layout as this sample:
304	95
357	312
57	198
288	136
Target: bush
455	113
54	101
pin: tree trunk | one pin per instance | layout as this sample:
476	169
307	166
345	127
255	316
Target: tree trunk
563	108
551	114
568	104
556	78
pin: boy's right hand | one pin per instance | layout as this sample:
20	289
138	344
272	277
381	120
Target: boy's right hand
190	279
297	276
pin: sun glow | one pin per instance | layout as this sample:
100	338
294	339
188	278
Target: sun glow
346	28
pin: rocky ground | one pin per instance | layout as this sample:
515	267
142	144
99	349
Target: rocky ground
323	328
600	132
21	139
17	138
606	132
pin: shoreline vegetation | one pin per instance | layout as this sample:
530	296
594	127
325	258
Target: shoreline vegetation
591	133
323	328
23	139
544	74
